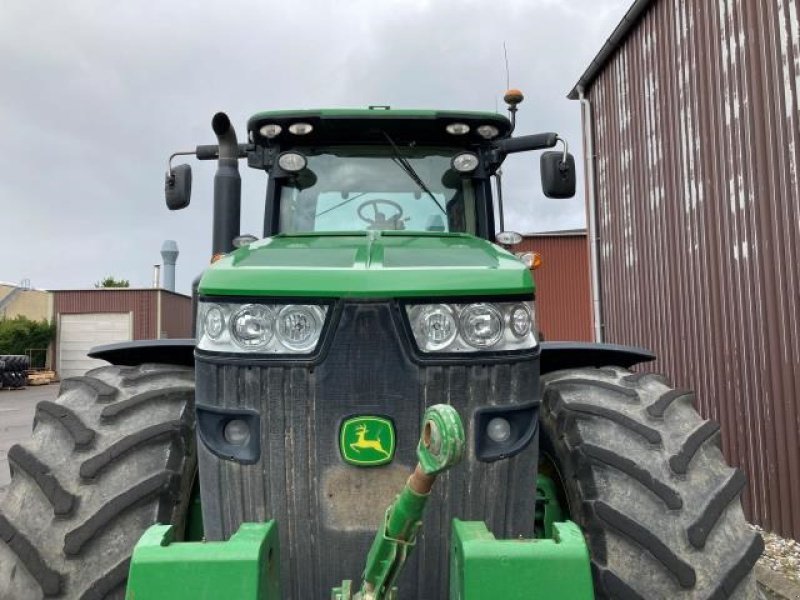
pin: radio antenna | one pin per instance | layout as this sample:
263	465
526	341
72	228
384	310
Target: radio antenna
505	55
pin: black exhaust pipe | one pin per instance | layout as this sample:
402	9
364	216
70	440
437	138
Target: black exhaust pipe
227	186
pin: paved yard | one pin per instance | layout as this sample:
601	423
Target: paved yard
16	420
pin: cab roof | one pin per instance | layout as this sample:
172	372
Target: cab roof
368	125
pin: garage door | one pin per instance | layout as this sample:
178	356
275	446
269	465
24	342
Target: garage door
77	334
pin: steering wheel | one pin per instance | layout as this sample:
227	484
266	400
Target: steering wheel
379	220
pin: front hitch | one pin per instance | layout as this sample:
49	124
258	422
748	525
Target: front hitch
441	446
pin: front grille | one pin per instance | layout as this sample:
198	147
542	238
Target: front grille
327	511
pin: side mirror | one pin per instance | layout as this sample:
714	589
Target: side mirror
558	174
178	187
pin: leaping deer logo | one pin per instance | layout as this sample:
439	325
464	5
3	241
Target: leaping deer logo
362	443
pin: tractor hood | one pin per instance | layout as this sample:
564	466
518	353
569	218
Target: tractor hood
373	264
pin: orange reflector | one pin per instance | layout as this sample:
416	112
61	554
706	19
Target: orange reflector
537	260
216	257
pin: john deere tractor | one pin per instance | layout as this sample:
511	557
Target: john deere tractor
366	410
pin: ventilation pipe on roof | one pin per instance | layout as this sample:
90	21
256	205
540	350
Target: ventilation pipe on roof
169	254
591	201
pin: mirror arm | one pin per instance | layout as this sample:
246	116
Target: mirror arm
173	155
207	152
524	143
563	166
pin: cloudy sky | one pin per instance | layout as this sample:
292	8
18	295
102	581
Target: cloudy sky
95	95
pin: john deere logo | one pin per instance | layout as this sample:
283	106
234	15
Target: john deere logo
367	441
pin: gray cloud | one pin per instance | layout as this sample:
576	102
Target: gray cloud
95	95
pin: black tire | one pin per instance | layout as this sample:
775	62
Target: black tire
111	456
644	477
16	362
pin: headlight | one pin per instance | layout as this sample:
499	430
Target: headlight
256	328
465	162
487	132
292	161
251	326
299	327
435	324
270	131
482	326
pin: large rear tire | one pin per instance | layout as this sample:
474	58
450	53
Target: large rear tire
643	476
111	456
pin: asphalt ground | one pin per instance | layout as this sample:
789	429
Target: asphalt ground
16	420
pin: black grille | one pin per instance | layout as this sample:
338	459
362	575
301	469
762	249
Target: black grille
328	511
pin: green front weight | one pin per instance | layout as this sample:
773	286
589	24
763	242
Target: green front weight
484	568
246	567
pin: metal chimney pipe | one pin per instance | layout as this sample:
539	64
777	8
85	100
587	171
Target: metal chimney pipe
169	254
156	276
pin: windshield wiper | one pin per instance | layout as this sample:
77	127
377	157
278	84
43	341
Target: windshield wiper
327	210
409	170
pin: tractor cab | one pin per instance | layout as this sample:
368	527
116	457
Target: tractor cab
376	169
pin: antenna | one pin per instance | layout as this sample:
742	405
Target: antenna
505	55
512	97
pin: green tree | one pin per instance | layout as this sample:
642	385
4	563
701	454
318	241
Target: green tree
20	334
110	282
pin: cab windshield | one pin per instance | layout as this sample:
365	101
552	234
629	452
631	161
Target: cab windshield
372	188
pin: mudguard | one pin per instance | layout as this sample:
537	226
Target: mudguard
171	352
575	355
554	355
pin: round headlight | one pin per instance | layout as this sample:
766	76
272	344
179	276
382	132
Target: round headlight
214	322
457	128
237	432
251	326
270	131
498	430
292	161
488	132
436	326
465	162
519	320
301	128
298	327
481	325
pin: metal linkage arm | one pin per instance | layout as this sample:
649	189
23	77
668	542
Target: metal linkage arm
440	447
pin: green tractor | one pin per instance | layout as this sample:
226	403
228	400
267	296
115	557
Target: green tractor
366	410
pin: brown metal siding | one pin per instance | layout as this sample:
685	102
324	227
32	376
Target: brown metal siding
563	302
697	137
176	315
142	303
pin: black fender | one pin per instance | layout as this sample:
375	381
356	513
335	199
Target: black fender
170	351
554	356
575	355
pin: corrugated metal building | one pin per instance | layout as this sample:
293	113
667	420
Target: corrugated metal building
691	129
86	318
562	284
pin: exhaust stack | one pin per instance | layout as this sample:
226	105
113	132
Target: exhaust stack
227	186
169	255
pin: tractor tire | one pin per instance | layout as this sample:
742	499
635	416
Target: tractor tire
643	476
16	362
113	455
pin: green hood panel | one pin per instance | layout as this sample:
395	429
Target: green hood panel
368	265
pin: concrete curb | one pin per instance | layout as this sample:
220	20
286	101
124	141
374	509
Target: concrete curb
777	585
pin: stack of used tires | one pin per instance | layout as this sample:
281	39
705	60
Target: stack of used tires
13	371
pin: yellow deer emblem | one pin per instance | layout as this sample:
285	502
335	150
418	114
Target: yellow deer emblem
362	443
